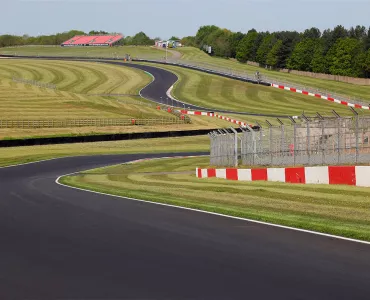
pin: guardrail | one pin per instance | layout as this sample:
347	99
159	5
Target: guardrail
67	123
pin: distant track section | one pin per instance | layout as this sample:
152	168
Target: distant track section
244	78
163	81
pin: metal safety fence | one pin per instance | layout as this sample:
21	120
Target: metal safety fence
67	123
325	141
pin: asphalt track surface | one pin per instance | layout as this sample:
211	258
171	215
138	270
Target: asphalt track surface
62	243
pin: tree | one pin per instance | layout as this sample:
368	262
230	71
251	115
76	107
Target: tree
246	46
366	65
359	33
141	39
274	55
174	38
289	40
319	63
96	32
203	33
367	40
234	40
346	58
302	55
188	41
266	45
312	33
219	41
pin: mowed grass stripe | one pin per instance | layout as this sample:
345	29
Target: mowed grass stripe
75	80
218	92
340	210
195	55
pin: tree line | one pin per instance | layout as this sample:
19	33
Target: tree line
337	51
56	39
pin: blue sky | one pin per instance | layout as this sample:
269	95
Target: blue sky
165	18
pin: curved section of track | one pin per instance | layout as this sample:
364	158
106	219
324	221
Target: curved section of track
164	80
61	243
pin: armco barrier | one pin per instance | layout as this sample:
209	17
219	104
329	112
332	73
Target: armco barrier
343	175
328	98
100	138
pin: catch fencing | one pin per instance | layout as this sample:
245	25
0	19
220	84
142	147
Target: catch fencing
325	141
68	123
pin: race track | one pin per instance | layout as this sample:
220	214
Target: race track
61	243
163	80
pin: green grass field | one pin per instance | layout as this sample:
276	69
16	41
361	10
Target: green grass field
194	55
339	210
105	52
17	155
75	82
197	56
222	93
76	97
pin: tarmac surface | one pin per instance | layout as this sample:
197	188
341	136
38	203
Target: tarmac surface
61	243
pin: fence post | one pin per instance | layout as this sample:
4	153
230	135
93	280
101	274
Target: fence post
308	144
308	139
254	141
357	136
356	133
235	147
270	140
338	134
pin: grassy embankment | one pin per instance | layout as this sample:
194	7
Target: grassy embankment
79	85
18	155
196	56
354	91
339	210
106	52
222	93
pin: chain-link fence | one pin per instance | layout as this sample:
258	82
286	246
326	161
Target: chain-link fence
326	141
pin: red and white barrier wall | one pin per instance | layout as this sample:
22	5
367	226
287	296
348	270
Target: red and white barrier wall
282	87
347	175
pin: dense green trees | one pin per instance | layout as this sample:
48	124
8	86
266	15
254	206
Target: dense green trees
274	57
56	39
247	47
302	55
335	51
139	39
188	41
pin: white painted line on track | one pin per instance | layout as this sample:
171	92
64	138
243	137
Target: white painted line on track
33	162
213	213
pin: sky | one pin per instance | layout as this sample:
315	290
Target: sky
164	18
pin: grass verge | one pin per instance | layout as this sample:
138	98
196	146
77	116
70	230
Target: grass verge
197	56
18	155
338	210
217	92
104	52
